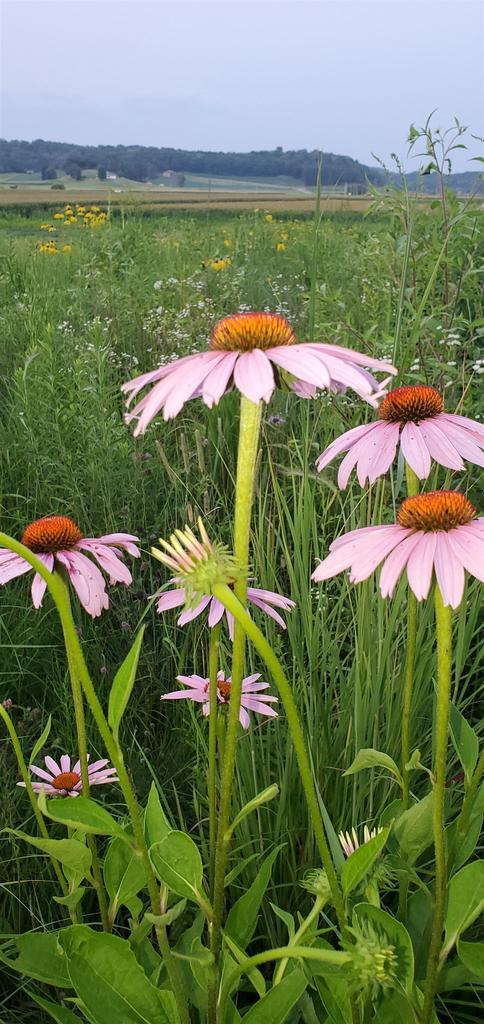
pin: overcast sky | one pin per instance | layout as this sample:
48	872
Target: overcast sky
335	75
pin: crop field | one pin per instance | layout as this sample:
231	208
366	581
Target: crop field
93	294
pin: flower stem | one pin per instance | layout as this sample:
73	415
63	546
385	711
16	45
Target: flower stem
212	751
31	795
230	602
443	623
58	591
412	490
250	418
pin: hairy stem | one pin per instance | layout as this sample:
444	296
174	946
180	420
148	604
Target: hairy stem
212	752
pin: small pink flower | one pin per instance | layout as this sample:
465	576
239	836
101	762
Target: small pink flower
435	531
57	539
266	600
252	352
252	697
414	417
350	842
62	780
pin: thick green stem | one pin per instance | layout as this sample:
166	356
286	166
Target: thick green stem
57	589
230	602
78	703
250	417
443	622
31	795
412	490
212	752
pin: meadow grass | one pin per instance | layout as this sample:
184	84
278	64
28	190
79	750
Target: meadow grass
73	328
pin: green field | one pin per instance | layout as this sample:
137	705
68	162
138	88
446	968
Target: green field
141	288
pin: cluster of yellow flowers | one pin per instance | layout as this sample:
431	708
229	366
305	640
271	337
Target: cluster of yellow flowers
281	244
51	248
90	217
219	263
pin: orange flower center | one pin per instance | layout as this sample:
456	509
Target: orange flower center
436	510
66	780
51	534
243	332
411	403
223	688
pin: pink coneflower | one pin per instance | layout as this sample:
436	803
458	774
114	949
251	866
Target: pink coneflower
350	842
435	531
62	780
252	697
266	600
414	416
57	539
252	352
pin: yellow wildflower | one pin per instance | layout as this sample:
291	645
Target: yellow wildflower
67	247
58	216
280	247
269	217
227	243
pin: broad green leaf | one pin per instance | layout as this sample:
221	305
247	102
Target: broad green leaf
395	934
59	1013
84	814
465	901
262	798
465	740
394	1008
36	955
72	899
255	977
156	823
42	740
123	683
278	1003
370	758
110	982
359	863
200	959
124	874
413	829
178	864
170	915
69	852
465	848
334	997
472	956
242	917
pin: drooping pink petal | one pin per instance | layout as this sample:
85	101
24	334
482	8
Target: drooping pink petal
348	464
343	444
193	613
279	600
420	565
439	446
449	571
48	776
365	562
216	612
469	549
133	387
474	426
126	541
362	550
464	441
271	612
370	532
386	445
352	356
171	599
253	376
193	681
116	569
87	580
244	718
350	376
97	765
259	707
216	382
13	566
39	585
394	565
195	695
301	363
415	450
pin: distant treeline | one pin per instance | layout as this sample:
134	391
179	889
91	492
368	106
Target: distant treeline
143	163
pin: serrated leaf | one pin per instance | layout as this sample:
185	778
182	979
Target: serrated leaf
123	683
371	758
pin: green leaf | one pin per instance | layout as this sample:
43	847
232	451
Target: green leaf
242	917
467	845
254	976
37	956
370	758
395	1008
156	823
262	798
124	874
465	740
123	683
83	814
170	915
278	1003
395	933
110	982
72	899
465	901
178	864
472	956
69	852
41	740
286	918
413	829
59	1013
359	863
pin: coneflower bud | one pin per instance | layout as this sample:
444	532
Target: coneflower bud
199	565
